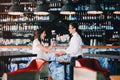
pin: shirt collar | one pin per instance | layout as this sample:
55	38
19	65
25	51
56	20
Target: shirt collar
74	33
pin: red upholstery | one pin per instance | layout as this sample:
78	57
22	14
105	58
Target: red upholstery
35	65
94	65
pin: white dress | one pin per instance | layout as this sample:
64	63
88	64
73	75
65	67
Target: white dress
40	54
37	50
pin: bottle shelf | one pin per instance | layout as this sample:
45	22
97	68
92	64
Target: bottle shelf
93	28
24	21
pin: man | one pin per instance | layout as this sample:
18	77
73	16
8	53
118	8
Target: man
74	49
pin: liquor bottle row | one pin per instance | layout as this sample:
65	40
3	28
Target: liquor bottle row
18	27
115	34
86	6
96	42
96	26
15	41
93	33
27	8
100	37
85	16
77	16
93	37
55	6
31	17
25	34
26	38
17	34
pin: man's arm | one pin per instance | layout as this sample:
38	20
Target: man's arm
60	53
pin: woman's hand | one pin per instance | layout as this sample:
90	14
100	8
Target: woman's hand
60	53
50	47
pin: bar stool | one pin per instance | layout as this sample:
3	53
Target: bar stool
64	63
31	72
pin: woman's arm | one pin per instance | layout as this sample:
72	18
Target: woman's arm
45	49
60	53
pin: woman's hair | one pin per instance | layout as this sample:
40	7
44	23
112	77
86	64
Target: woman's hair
40	31
36	34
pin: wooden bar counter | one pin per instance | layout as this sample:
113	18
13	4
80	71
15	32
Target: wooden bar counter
62	47
101	47
15	46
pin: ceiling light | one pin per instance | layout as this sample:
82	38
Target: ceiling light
117	10
41	9
94	8
67	8
15	9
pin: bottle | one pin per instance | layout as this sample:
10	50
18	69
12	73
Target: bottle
46	42
91	42
6	9
53	38
25	8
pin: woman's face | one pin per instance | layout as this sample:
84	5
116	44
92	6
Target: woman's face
42	36
71	29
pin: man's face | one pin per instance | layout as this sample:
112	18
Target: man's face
71	29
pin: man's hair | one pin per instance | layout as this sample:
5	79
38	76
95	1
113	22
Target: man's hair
74	25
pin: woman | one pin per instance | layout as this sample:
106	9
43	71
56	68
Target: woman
38	44
41	51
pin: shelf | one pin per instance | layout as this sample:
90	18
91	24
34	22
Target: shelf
19	37
109	2
106	21
4	13
22	31
21	3
24	21
91	20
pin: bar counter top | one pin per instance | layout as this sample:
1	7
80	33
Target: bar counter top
102	47
15	46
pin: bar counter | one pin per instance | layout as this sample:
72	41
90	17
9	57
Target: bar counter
86	49
102	47
15	46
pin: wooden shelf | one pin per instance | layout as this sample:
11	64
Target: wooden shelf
21	3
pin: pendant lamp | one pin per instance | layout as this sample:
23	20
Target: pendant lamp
15	9
67	8
41	9
94	8
117	9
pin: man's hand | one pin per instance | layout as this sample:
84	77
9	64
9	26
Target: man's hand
60	53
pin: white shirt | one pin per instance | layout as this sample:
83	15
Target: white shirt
37	50
75	46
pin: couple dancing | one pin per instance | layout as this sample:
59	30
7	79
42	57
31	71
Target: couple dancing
55	71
